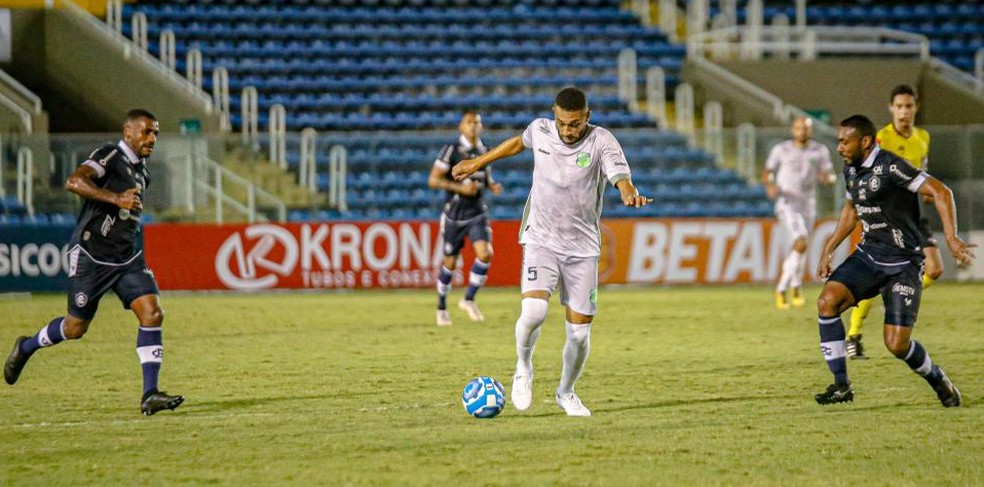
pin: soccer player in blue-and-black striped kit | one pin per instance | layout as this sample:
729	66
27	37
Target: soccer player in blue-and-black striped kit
107	253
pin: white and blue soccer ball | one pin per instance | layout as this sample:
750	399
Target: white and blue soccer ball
483	397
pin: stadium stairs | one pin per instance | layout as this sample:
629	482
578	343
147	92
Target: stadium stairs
388	80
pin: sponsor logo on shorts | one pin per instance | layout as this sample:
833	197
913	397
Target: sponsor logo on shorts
583	159
903	290
878	170
594	296
81	299
897	237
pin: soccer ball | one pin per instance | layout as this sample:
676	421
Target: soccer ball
483	398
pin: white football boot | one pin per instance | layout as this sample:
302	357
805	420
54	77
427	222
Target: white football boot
472	309
443	318
571	404
522	392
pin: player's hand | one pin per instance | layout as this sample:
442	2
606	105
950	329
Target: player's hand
823	267
772	191
496	189
464	169
635	199
129	199
467	188
961	250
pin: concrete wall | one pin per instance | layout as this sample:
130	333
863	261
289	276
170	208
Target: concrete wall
86	80
842	87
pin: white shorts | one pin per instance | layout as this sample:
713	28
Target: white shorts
797	222
578	277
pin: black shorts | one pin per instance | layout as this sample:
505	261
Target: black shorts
926	235
899	285
88	280
454	231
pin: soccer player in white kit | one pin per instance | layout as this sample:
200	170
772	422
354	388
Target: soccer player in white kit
791	174
560	232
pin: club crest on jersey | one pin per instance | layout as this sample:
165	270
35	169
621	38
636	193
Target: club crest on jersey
874	183
583	159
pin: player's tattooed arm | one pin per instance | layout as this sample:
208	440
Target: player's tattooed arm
82	182
510	147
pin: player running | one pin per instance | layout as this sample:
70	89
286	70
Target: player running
882	191
464	214
560	232
106	254
790	176
911	143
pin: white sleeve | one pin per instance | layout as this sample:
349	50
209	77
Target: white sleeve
613	161
772	163
528	134
100	170
825	164
443	161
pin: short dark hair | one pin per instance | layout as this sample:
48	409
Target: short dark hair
469	111
571	99
861	124
138	113
903	90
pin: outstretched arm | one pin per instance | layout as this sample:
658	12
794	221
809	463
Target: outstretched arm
942	198
468	167
845	225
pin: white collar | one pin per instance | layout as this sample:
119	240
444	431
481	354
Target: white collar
467	145
871	157
132	156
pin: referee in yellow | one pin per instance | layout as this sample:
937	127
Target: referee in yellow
911	143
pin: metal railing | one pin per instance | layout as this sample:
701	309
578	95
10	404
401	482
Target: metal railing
166	49
193	67
250	117
133	53
277	128
25	178
668	18
656	95
684	97
205	175
220	95
743	42
308	169
958	76
337	170
628	72
28	98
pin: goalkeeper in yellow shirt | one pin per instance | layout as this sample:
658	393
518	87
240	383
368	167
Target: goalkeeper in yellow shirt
911	143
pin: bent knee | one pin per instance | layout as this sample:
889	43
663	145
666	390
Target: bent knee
75	329
154	316
828	304
800	245
898	348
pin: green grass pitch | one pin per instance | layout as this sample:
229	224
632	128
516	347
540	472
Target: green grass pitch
688	386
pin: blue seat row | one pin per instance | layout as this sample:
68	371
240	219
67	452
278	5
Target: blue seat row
420	102
329	15
374	83
38	219
429	120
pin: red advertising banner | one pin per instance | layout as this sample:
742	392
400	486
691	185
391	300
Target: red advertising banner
346	255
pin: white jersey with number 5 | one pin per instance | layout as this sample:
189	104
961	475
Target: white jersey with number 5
563	211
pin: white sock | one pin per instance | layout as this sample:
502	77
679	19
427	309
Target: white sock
788	269
575	354
797	279
527	332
